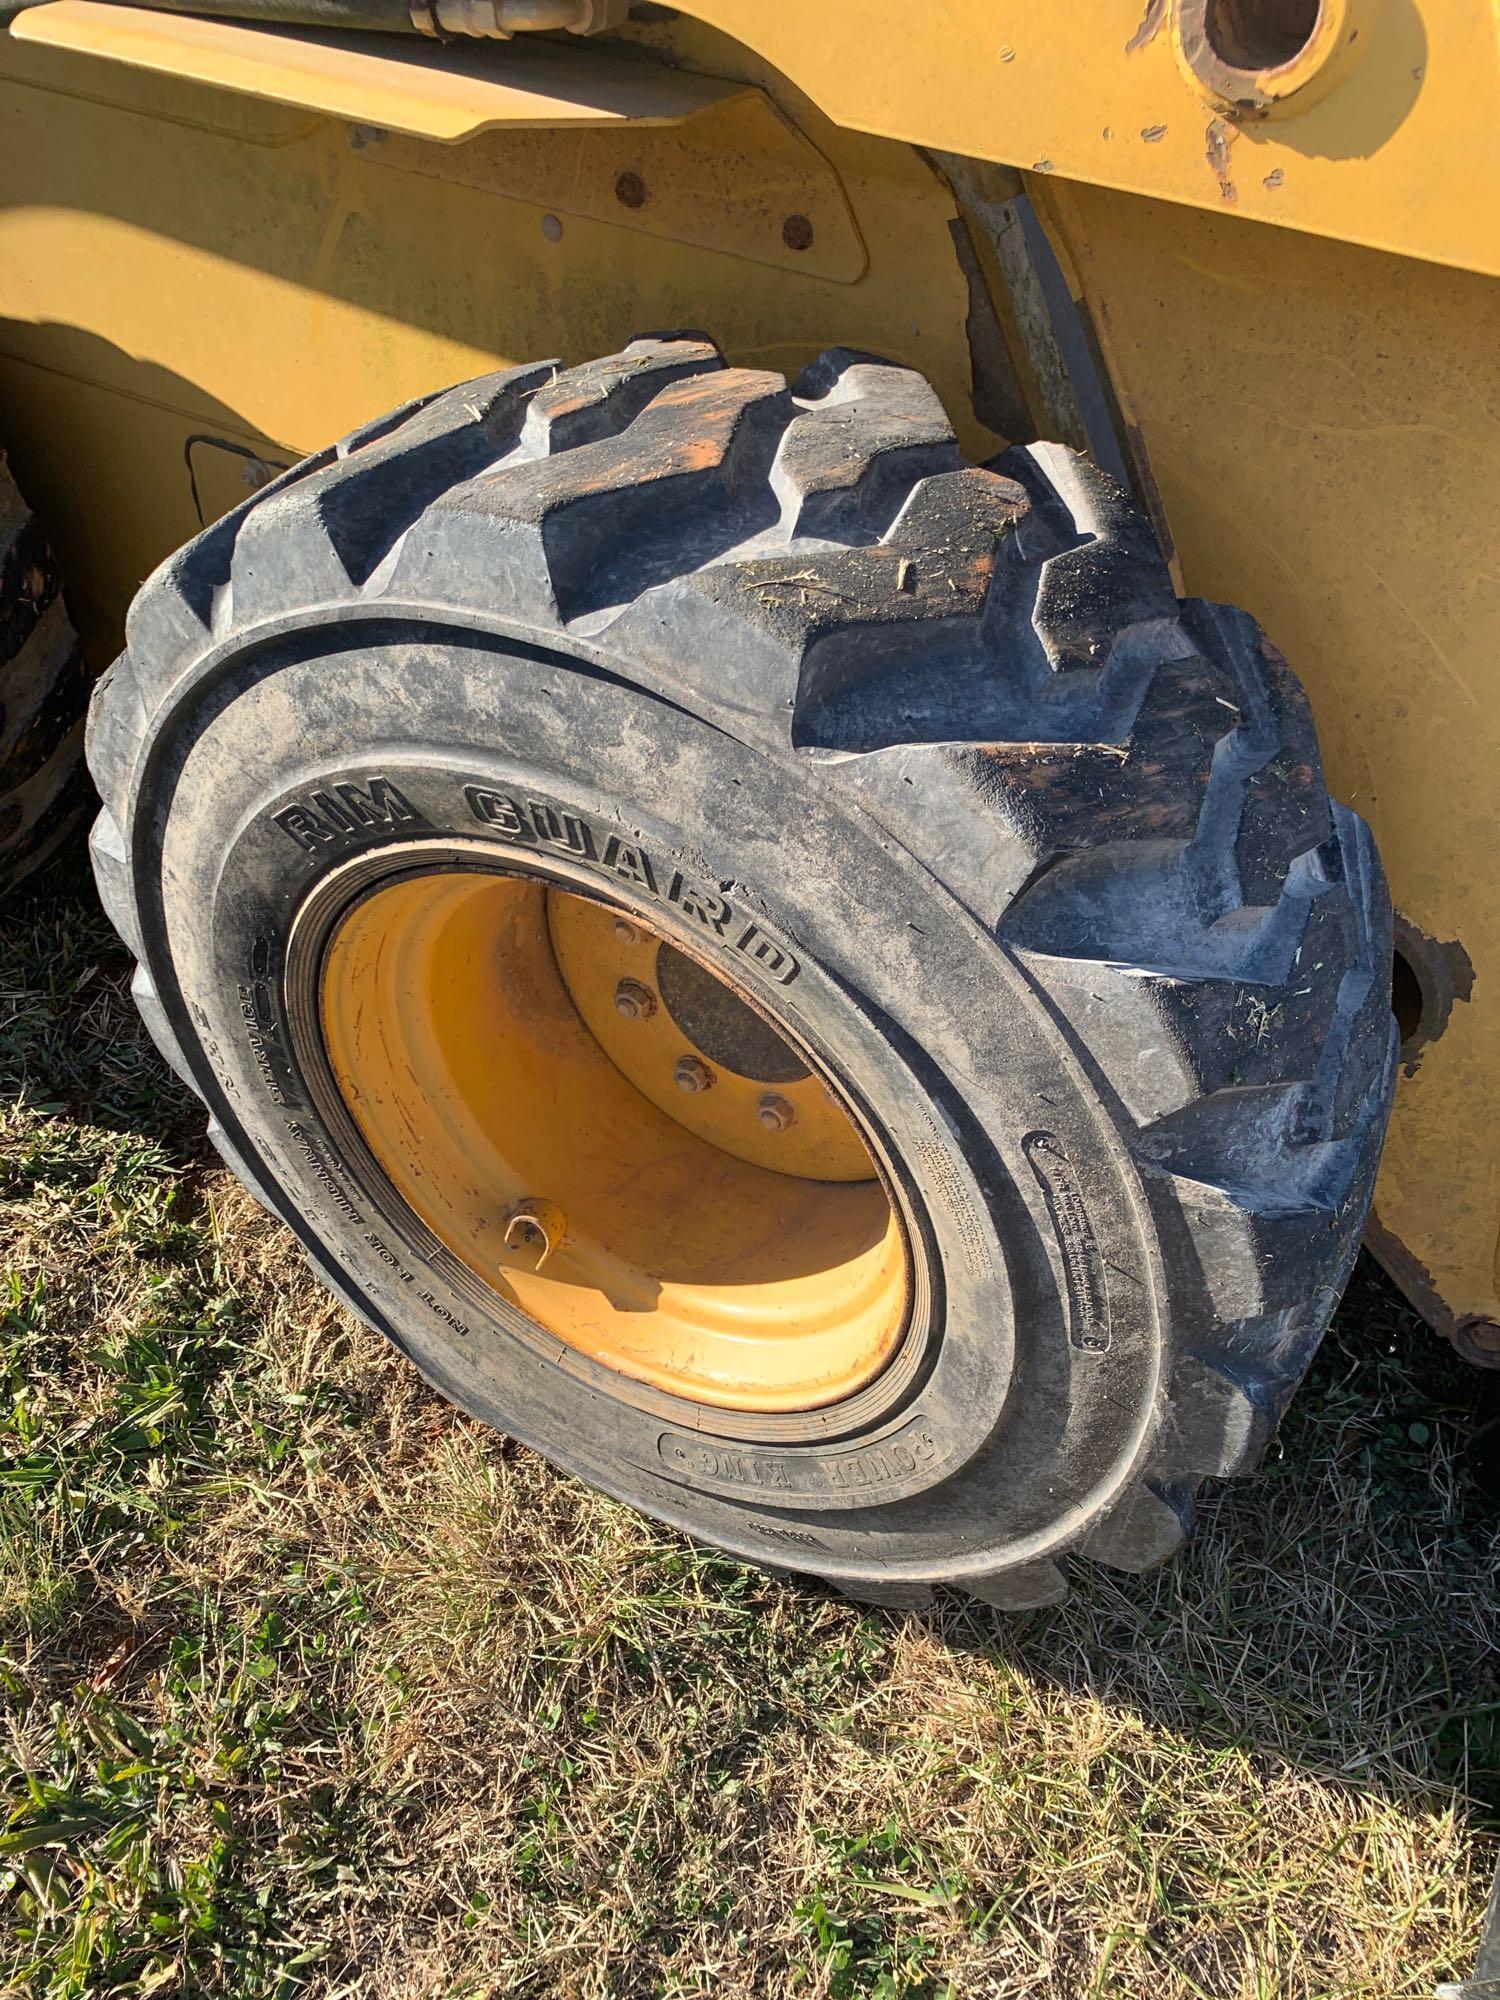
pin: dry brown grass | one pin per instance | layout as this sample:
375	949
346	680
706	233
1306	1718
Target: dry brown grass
311	1685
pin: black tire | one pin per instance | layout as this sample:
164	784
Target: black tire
1048	852
44	692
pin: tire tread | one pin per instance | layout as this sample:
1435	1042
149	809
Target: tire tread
44	689
1164	859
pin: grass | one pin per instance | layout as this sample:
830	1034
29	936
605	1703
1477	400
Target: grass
311	1686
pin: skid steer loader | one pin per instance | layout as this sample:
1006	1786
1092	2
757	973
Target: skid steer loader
750	900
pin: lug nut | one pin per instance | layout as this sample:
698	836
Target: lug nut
775	1113
635	1001
691	1074
626	933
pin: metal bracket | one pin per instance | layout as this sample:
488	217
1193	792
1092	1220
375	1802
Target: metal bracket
740	178
444	91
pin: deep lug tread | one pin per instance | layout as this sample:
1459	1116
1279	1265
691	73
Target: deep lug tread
148	1006
1107	574
372	433
44	689
1028	1587
882	1596
869	433
998	662
44	811
1251	1143
29	582
111	866
602	398
340	524
1150	1524
1196	1034
592	529
1218	1425
169	626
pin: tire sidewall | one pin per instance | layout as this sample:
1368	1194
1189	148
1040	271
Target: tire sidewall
1014	1173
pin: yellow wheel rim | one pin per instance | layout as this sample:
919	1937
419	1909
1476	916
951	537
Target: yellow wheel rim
613	1139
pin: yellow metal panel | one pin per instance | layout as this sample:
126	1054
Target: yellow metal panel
744	181
178	260
398	83
1322	424
1402	151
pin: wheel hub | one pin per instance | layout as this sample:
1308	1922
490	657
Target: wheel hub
615	1139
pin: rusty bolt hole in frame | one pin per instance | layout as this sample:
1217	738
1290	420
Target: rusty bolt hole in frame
1427	977
1253	55
1255	35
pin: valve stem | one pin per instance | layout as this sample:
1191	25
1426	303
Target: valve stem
534	1223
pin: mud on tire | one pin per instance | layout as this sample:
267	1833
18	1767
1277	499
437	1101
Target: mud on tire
1048	854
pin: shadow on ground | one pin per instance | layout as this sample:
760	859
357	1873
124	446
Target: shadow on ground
1336	1619
1339	1609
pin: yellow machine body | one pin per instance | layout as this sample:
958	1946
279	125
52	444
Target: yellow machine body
222	246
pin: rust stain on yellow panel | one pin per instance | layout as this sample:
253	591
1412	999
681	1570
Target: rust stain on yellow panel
744	181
